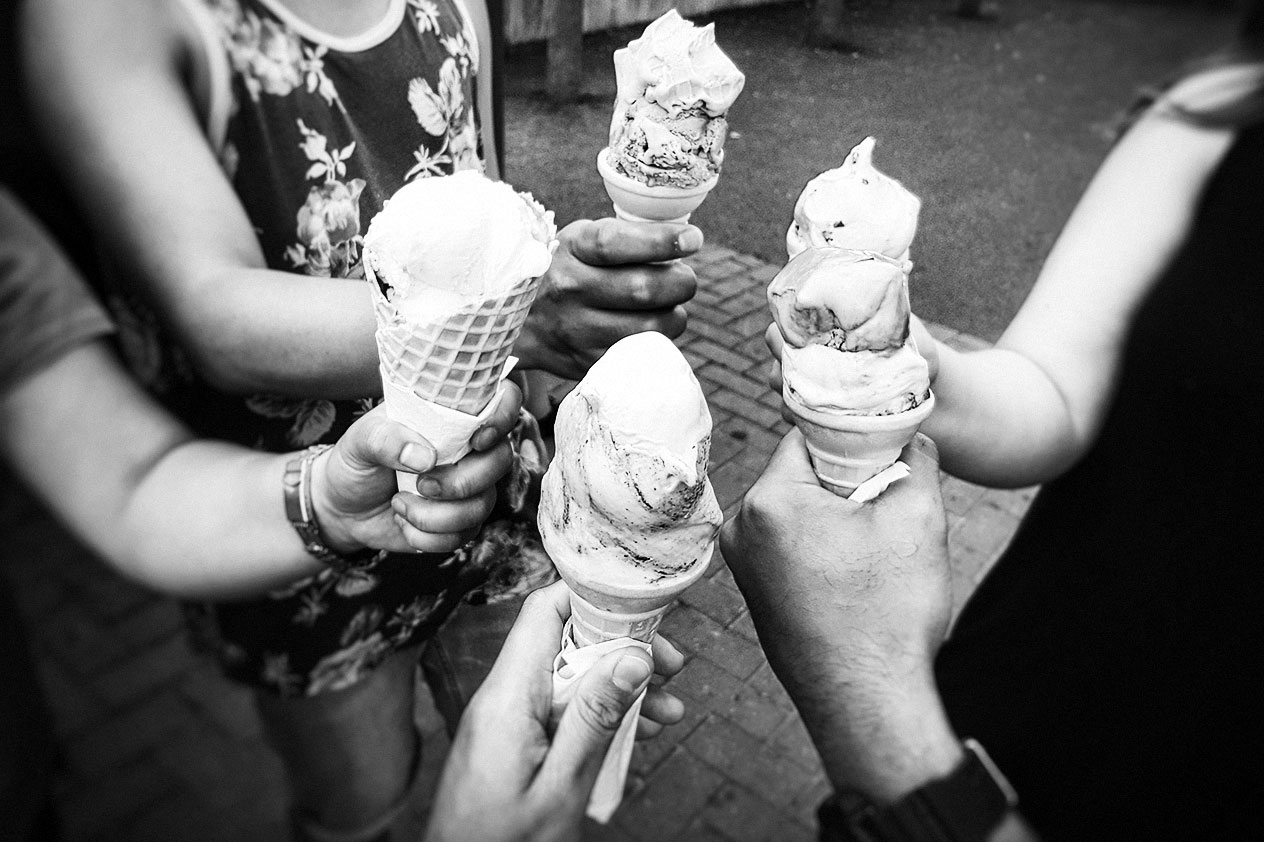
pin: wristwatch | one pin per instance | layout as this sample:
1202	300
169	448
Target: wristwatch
965	805
297	486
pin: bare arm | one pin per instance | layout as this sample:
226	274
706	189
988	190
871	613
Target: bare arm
207	519
1024	411
108	82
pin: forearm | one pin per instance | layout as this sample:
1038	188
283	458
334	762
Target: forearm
1000	420
208	521
190	518
252	331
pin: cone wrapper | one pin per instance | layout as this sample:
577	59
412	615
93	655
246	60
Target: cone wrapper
848	450
447	430
639	202
602	622
590	635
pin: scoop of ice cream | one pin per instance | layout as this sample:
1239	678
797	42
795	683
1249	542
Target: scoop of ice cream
627	490
446	241
845	318
857	207
843	299
674	86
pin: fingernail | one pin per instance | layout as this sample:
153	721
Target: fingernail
417	457
429	487
631	673
485	438
689	240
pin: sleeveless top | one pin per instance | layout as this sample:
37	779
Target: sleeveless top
315	134
1113	661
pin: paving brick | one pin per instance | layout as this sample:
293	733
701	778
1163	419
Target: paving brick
721	604
1015	502
738	813
730	380
650	754
720	354
702	636
760	415
730	481
707	329
744	626
677	792
791	741
959	495
747	707
747	761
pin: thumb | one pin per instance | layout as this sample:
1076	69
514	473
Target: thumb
374	440
790	461
603	696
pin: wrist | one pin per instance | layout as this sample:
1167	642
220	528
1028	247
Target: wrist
335	532
305	506
879	732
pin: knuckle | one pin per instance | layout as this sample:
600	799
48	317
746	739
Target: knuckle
600	711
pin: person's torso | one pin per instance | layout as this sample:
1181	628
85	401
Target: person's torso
315	133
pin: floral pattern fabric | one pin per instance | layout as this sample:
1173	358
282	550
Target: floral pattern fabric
317	140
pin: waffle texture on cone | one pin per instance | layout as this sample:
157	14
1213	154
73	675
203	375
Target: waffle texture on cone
456	362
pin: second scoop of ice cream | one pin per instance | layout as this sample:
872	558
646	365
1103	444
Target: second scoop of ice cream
845	318
627	492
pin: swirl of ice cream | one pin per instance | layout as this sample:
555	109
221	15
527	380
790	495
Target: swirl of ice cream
627	491
445	241
845	318
674	86
857	207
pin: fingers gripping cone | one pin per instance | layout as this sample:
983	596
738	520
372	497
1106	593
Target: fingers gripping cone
440	378
604	619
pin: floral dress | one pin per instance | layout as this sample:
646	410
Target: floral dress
315	134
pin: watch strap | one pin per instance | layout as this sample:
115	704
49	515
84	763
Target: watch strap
965	805
299	509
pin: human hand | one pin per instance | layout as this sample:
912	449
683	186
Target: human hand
610	278
832	584
506	777
354	484
851	601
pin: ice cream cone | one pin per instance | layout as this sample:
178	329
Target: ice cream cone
605	610
440	378
848	449
455	361
604	617
640	202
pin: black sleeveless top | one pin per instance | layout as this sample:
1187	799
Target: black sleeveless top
1111	662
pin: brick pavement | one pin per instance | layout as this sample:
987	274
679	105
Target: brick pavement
157	747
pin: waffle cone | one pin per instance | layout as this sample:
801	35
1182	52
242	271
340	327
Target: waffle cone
457	361
846	450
